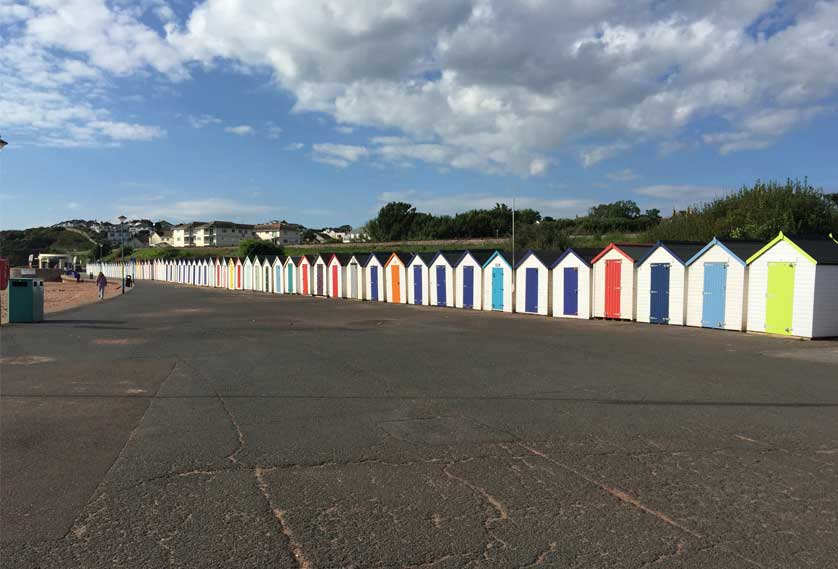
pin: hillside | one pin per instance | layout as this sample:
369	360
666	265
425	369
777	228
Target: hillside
18	245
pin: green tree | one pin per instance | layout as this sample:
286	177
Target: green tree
625	209
393	223
252	247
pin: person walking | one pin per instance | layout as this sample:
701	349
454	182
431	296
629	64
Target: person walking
101	283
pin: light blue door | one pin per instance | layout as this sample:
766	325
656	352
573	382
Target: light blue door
497	288
715	287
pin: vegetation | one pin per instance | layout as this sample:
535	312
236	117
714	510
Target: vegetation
758	212
18	245
251	247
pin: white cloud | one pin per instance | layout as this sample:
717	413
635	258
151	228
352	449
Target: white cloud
339	155
241	130
623	175
293	146
345	129
441	204
274	131
199	209
202	121
596	154
679	196
488	85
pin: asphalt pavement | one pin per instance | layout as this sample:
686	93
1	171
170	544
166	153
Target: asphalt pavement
187	427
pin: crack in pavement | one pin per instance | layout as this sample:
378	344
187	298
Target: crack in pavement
232	456
293	544
73	527
617	493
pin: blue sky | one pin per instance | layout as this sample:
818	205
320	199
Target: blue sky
320	114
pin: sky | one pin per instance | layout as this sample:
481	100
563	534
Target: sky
321	111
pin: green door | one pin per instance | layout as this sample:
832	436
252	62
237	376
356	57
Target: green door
779	299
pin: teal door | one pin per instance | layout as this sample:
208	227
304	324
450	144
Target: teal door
497	288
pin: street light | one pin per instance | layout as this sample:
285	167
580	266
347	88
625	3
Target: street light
122	219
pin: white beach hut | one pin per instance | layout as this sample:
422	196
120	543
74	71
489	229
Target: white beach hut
248	274
441	281
374	277
338	269
533	285
353	283
305	279
717	284
498	282
572	283
793	288
277	274
662	282
395	278
290	282
418	276
614	280
321	278
468	278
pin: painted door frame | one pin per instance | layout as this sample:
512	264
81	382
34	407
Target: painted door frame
613	287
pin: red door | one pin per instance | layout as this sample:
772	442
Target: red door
612	288
239	277
335	281
305	279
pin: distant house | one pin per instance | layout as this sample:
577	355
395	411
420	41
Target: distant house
161	239
211	234
279	232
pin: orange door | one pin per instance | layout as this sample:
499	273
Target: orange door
397	283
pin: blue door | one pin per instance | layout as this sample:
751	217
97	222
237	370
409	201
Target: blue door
441	288
468	287
531	298
659	302
497	288
715	287
417	284
374	283
571	291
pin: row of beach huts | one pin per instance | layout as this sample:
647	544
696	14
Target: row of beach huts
787	286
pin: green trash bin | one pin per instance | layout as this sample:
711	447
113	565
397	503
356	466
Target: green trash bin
23	299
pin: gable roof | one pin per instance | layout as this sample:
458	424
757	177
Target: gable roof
681	250
325	256
403	257
380	257
505	255
631	251
546	258
342	258
309	258
584	254
426	258
480	256
295	260
819	251
739	249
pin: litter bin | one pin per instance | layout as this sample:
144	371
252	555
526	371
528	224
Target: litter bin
38	304
129	281
26	300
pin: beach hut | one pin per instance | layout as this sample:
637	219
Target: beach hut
277	273
614	280
662	282
395	277
353	269
304	275
468	276
717	284
258	275
290	283
498	282
793	287
239	274
418	274
205	272
321	278
572	283
533	285
441	281
247	267
374	277
338	274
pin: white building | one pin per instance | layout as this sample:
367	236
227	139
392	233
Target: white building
793	288
533	283
441	280
418	277
468	277
498	282
279	232
212	234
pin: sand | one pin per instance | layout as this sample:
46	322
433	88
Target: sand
64	295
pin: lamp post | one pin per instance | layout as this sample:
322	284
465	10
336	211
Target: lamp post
3	145
122	219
